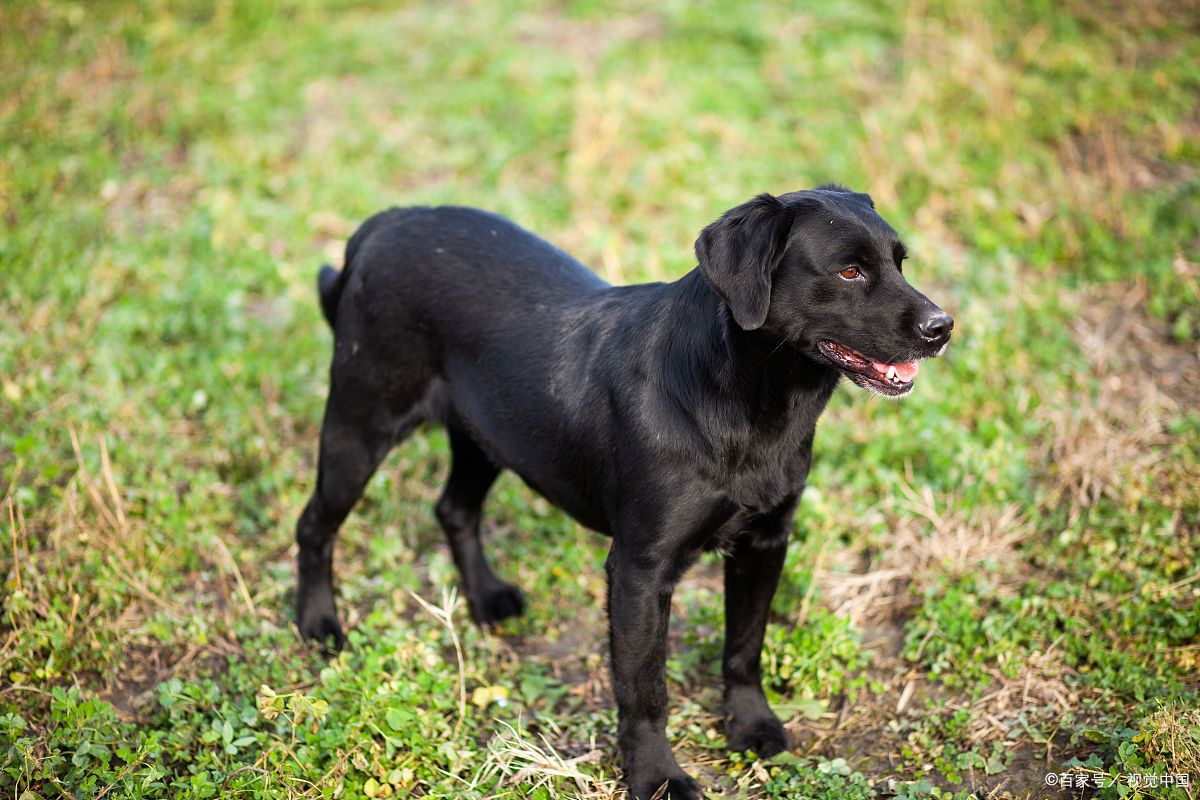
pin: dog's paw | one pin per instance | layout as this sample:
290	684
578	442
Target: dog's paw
679	786
318	622
764	735
497	603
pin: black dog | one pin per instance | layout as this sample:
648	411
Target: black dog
674	417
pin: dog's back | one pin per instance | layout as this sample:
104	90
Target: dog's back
459	315
440	263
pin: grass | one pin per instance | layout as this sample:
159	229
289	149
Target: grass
991	581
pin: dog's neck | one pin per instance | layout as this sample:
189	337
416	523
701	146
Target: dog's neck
755	371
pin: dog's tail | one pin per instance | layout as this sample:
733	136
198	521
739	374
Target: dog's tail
329	287
330	282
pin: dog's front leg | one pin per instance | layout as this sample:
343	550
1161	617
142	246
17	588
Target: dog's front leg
639	602
751	574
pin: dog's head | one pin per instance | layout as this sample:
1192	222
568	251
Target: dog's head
822	271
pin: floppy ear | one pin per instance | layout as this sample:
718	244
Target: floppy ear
739	252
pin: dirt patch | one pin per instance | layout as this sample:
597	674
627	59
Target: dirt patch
882	734
574	655
132	691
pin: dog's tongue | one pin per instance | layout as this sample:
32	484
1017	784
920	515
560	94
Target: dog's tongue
905	371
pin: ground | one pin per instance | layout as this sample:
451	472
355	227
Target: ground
990	582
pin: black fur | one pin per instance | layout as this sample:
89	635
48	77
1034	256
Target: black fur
674	417
329	289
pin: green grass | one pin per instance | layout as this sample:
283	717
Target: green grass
992	580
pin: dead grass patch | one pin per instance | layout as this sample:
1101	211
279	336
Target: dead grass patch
1102	445
1172	735
874	730
98	540
586	41
1039	693
519	758
134	206
930	538
91	83
1102	165
1118	17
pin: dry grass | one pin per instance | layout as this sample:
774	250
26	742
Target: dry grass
586	41
1041	692
517	759
1023	713
1173	734
1108	444
929	538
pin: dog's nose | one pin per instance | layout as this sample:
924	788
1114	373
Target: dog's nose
937	326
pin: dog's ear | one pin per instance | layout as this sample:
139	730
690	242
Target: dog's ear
739	252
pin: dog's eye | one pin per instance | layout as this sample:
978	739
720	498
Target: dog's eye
850	273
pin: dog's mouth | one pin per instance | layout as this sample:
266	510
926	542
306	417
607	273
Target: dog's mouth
890	380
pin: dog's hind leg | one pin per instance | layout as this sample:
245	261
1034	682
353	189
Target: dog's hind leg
353	443
459	509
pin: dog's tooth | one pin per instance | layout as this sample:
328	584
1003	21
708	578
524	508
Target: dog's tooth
891	373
